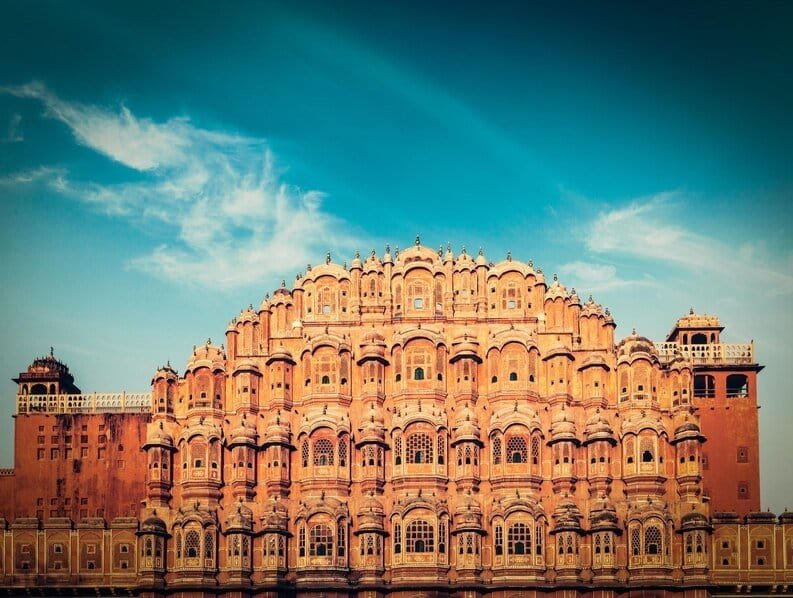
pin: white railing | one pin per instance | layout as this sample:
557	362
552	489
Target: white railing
95	402
722	353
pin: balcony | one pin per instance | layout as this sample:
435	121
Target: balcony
716	354
96	402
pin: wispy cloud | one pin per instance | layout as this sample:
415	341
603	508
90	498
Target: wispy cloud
236	221
14	132
646	230
594	278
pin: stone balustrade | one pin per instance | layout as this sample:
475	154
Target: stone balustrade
713	354
95	402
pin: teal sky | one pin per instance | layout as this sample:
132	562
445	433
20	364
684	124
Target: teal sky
162	167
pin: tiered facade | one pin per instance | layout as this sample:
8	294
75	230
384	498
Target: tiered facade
416	424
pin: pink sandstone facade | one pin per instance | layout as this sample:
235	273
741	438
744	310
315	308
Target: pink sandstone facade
416	424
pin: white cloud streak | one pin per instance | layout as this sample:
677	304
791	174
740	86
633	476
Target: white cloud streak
14	133
597	277
236	222
645	229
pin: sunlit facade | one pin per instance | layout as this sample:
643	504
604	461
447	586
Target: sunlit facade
413	424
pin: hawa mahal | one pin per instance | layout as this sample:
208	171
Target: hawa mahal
416	424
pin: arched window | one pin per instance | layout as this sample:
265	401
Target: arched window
699	339
418	374
737	385
191	542
635	541
323	452
419	448
496	450
647	450
513	376
304	452
652	540
209	546
397	538
519	539
704	386
499	540
419	536
320	541
535	450
516	450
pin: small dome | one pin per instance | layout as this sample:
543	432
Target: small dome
207	355
562	428
153	524
556	290
280	354
244	433
373	427
466	425
371	514
277	432
159	437
598	428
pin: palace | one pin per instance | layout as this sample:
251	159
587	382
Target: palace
415	424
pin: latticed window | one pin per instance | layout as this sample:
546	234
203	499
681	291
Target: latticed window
398	450
519	539
652	540
209	546
397	538
535	451
510	297
442	537
419	536
341	538
646	450
191	541
301	541
635	541
539	535
596	544
607	543
234	546
343	451
499	535
304	453
178	546
441	449
516	450
419	448
419	365
496	450
323	452
320	541
147	550
325	371
701	546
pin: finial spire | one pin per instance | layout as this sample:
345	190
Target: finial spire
283	283
418	240
52	352
509	256
327	257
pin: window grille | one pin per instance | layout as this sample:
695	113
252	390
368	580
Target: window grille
499	533
301	541
191	541
397	538
341	538
419	536
323	452
652	540
343	451
398	450
535	451
442	537
519	539
516	450
496	450
441	449
320	541
304	453
635	541
209	546
419	448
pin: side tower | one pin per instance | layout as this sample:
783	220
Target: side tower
725	392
